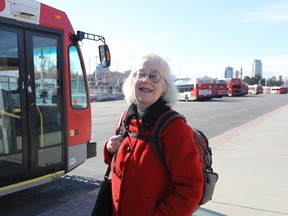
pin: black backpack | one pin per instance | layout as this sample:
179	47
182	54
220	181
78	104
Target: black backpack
205	152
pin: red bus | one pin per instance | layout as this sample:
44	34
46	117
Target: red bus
282	90
279	90
244	88
45	111
222	89
193	91
234	86
215	90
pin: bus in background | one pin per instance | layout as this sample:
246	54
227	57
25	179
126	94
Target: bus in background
45	111
234	86
259	89
215	90
244	88
189	90
222	89
274	89
279	90
266	89
255	89
205	90
283	90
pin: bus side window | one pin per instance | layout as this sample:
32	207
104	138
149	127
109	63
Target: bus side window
78	88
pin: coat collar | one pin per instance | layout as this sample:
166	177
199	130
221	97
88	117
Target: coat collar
149	116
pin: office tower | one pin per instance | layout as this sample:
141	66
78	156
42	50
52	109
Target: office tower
228	72
257	68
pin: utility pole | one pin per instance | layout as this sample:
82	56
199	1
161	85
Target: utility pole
96	78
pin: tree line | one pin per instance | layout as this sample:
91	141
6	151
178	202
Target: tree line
257	79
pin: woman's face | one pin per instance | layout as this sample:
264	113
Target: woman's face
149	83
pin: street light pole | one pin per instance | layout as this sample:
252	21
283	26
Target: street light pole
89	66
96	79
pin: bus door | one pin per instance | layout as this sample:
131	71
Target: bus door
31	116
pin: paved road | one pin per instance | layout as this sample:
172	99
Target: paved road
75	194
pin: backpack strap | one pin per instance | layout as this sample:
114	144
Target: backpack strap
119	130
120	123
155	144
155	137
163	121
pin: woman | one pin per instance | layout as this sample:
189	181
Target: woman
141	185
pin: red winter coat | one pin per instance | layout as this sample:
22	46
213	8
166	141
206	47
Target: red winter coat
141	185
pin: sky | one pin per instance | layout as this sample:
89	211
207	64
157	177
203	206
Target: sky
197	37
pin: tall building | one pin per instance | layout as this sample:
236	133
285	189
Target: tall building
237	74
228	72
257	68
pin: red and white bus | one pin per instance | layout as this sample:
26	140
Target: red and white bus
222	89
266	89
234	86
215	90
244	88
45	111
279	90
189	90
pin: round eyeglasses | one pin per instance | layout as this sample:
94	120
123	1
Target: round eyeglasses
154	76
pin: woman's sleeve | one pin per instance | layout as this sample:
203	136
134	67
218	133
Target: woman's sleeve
107	155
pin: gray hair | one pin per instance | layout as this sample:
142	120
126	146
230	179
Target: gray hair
170	94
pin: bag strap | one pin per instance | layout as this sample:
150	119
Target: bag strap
163	121
155	137
155	144
117	132
106	176
120	123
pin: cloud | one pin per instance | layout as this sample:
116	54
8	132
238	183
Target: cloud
272	14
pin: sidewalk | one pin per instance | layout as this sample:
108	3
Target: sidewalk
252	162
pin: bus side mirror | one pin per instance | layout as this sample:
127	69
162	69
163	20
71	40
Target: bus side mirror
104	55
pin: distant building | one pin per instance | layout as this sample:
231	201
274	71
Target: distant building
256	68
237	74
205	79
228	72
101	69
101	74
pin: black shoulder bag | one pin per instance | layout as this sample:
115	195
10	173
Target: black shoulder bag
103	205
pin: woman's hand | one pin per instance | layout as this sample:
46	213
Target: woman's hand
113	143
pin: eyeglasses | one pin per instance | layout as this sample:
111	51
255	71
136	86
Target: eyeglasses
141	76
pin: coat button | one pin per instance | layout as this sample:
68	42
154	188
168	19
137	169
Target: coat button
128	149
117	200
